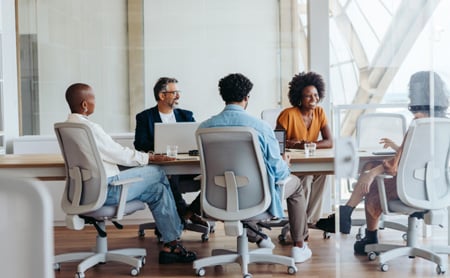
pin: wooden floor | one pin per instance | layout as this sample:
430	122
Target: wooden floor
331	257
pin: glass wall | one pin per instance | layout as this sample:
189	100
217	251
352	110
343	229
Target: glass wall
377	45
121	47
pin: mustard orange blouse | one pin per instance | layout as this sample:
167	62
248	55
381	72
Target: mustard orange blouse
292	121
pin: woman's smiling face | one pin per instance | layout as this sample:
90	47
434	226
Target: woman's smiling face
310	97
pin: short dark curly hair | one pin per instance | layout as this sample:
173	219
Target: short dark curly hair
234	87
161	85
302	80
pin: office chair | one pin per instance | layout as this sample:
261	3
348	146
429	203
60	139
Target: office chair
271	115
423	186
370	128
84	196
235	189
26	231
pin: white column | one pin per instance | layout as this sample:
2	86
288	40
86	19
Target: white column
9	104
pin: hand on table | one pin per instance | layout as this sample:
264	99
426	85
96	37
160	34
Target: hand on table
159	157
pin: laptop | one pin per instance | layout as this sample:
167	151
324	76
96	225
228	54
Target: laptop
181	134
280	134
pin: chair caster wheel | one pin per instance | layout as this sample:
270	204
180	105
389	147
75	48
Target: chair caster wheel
292	270
384	267
440	269
205	237
134	271
200	272
372	256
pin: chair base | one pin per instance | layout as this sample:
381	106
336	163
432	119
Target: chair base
204	230
243	257
388	252
135	257
361	223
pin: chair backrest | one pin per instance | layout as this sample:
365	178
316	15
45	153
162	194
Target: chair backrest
86	184
271	115
234	182
423	177
373	126
26	229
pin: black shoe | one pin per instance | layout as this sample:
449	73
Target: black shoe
360	246
177	254
327	224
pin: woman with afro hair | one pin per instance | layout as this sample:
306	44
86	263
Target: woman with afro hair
304	122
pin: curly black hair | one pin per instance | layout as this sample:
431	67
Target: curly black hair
302	80
234	87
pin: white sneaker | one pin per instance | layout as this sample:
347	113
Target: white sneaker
301	254
266	243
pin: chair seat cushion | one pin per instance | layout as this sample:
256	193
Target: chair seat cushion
110	211
400	207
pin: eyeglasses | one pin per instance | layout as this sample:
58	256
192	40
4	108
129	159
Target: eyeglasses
173	92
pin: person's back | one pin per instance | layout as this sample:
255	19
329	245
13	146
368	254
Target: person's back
234	90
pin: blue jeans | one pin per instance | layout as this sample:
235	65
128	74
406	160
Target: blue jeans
155	191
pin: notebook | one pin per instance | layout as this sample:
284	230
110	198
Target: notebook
280	134
181	134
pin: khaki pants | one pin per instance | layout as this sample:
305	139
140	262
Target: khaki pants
314	187
294	192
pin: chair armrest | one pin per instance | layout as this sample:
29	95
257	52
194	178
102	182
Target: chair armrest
382	192
123	195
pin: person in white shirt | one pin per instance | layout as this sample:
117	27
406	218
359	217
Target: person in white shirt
154	189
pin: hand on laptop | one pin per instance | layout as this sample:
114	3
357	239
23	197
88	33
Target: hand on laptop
159	157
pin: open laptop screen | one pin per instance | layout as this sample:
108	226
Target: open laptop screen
280	134
181	134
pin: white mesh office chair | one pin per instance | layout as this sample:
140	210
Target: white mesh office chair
84	196
26	229
271	115
423	186
235	189
370	128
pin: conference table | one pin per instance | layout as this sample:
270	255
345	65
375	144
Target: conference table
51	166
322	162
